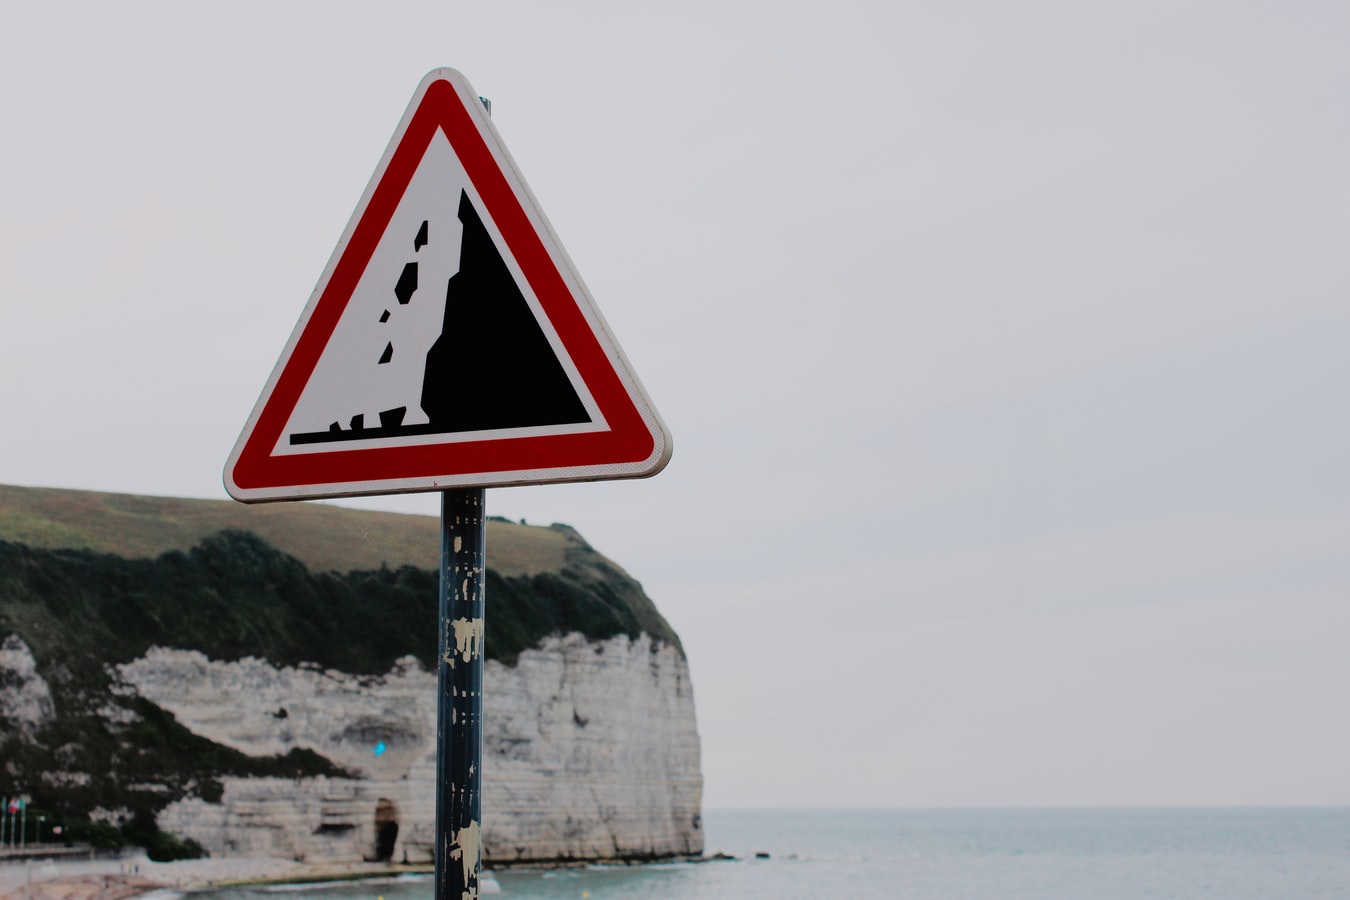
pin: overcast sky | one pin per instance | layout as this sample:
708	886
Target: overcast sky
1004	346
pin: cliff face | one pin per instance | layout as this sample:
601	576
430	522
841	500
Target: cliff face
234	698
590	753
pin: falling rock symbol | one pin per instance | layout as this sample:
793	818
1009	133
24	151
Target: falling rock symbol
390	391
486	324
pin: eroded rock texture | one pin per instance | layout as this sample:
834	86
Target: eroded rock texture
591	752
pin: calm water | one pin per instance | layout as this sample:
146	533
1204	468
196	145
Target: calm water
962	855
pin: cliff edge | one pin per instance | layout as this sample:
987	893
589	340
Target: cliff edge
259	681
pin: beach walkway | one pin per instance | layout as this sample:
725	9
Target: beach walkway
132	876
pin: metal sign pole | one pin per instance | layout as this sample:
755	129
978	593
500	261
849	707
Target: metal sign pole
459	707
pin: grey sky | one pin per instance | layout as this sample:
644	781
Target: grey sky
1003	346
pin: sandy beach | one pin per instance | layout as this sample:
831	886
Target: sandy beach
135	876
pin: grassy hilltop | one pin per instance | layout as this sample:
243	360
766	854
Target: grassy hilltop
271	560
323	537
89	580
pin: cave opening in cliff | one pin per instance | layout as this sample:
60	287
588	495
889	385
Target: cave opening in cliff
386	829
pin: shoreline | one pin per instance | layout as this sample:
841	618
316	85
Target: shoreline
137	876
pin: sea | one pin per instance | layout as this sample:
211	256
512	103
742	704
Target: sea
1081	854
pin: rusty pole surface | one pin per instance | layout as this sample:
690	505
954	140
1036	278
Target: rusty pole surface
459	706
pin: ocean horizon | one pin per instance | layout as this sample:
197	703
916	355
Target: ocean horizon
1235	853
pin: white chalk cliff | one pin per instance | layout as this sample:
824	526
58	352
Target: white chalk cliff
591	752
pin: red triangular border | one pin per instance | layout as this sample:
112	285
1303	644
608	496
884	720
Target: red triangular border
635	444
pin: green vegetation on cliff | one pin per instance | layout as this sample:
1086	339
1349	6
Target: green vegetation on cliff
350	567
234	595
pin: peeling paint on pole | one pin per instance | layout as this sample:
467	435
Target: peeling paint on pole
459	723
468	850
468	638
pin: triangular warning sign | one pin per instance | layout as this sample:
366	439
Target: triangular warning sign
449	342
